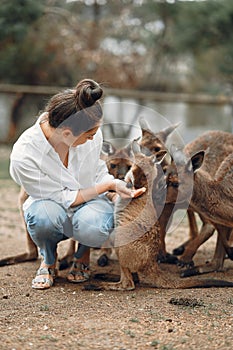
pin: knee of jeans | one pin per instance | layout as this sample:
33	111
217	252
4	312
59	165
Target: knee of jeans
40	225
90	235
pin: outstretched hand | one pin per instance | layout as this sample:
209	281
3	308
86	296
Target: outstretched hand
126	192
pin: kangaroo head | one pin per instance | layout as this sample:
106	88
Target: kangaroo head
144	168
180	175
154	142
118	161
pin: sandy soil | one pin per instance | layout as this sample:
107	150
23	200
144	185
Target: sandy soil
68	317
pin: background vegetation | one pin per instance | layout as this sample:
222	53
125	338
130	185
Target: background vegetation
163	45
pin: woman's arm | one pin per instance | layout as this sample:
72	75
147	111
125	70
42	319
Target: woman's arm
85	195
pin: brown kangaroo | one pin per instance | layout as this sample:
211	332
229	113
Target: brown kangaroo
208	202
118	161
220	145
136	235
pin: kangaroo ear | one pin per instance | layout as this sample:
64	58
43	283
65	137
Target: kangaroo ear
197	161
135	147
107	148
163	135
143	124
129	148
145	128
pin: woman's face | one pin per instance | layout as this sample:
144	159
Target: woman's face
74	141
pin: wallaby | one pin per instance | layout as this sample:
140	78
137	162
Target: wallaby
211	199
136	235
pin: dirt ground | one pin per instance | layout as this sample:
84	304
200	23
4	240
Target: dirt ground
68	317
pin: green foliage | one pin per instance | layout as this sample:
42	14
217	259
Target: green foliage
151	44
205	24
205	30
16	20
16	16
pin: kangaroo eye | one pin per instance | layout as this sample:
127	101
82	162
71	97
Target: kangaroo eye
113	166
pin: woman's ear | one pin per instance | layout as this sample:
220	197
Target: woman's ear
67	133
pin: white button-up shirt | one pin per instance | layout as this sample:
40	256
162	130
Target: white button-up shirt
35	165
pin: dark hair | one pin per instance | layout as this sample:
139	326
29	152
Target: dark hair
77	109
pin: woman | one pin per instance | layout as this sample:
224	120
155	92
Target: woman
57	162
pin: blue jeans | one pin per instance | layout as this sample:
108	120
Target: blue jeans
48	223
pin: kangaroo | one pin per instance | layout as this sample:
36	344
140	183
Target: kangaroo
136	235
208	201
156	142
118	161
220	145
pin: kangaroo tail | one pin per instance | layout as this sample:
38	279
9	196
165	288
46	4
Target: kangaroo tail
207	283
195	283
169	281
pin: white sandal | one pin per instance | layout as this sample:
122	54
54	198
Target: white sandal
44	278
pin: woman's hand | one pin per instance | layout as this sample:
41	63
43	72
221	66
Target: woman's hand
125	192
86	194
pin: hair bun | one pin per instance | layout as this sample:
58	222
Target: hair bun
87	93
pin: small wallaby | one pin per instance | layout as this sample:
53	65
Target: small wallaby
136	235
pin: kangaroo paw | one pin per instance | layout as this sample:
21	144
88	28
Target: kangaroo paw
190	272
179	250
185	264
167	259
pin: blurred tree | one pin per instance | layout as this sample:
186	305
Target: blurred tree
147	44
16	18
205	31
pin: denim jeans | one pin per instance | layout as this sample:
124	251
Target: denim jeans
48	223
